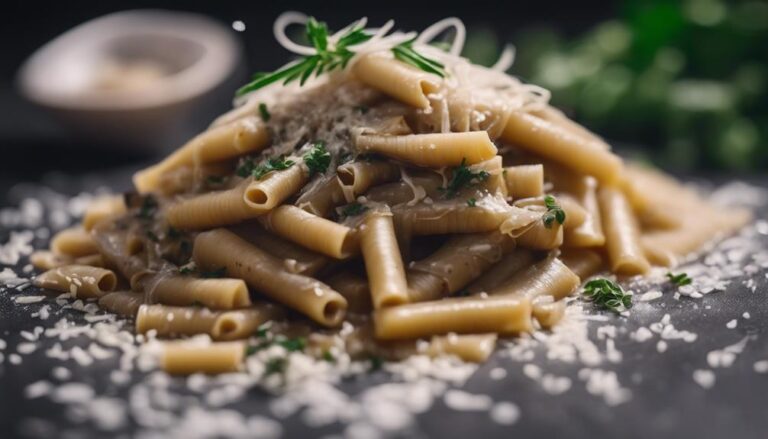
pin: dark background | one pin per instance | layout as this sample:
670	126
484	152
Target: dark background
31	143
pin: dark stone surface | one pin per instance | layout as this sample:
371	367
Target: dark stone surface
666	402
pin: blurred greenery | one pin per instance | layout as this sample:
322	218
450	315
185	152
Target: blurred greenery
688	79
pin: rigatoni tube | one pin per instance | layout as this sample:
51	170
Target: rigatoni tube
622	235
383	263
465	315
81	281
220	248
431	150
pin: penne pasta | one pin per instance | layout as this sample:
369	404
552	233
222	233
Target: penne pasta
622	236
224	142
471	348
431	150
172	289
560	145
465	315
122	303
311	231
402	82
383	264
81	281
184	358
549	277
220	248
220	325
524	181
101	209
73	242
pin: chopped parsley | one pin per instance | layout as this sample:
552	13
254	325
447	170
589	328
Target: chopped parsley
376	362
214	274
328	356
353	209
607	295
293	344
554	212
679	279
472	202
263	330
362	109
264	112
275	365
188	268
273	164
317	159
462	177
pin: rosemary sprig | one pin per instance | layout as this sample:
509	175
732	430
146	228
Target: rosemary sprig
328	58
554	212
461	177
607	295
406	53
324	60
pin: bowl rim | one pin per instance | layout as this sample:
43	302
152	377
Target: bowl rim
221	55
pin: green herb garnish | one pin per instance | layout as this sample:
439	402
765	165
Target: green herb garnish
317	159
353	209
273	164
328	356
362	109
554	212
608	295
264	112
376	362
263	329
188	268
461	177
293	344
250	350
679	279
173	233
405	53
325	60
472	202
214	274
275	365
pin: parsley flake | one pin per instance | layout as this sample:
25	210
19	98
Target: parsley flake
462	177
607	295
554	212
353	209
680	280
317	159
264	112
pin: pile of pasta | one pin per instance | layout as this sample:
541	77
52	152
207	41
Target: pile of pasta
376	210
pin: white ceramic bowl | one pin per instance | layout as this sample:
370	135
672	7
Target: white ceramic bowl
132	78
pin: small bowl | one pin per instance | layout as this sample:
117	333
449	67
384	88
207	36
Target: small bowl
134	78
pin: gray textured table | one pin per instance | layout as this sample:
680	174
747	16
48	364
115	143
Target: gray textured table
666	402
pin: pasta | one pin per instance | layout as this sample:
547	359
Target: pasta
393	199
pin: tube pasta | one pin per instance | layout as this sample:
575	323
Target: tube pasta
465	315
311	231
213	209
383	264
557	117
460	261
46	260
431	150
590	232
170	289
221	248
123	303
81	281
583	262
187	177
501	271
399	80
102	208
547	311
356	177
622	234
472	348
355	289
112	246
220	325
265	194
321	198
457	217
296	258
557	144
75	242
243	136
548	277
185	358
541	237
524	181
